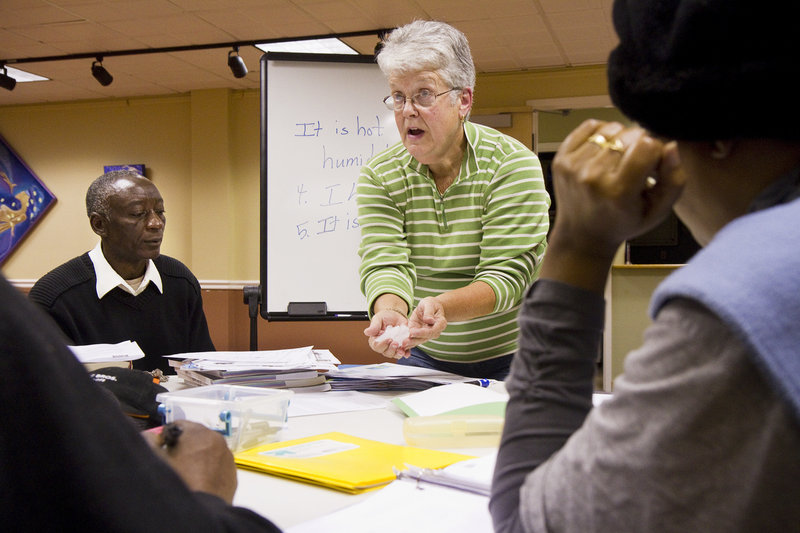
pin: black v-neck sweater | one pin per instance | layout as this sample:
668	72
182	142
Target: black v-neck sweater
162	324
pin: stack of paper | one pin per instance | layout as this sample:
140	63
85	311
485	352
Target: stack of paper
458	415
391	376
299	369
95	356
106	353
342	462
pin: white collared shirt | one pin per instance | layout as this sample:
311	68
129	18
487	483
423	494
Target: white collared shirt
108	279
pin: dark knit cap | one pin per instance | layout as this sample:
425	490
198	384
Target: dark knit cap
708	69
135	390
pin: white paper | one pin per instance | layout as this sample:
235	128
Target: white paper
447	398
393	370
325	356
404	506
259	356
317	403
106	353
305	357
473	472
396	333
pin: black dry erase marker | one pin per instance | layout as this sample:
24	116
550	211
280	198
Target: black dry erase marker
170	434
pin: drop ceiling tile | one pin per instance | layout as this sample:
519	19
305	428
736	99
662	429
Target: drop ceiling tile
21	13
561	6
524	34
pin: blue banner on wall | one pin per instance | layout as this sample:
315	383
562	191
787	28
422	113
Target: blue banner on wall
24	200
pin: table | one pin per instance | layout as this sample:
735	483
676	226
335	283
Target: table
286	502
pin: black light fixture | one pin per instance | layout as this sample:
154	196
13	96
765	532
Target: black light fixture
379	45
6	81
236	63
100	73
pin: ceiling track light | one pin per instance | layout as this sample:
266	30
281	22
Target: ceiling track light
236	63
379	45
6	81
100	73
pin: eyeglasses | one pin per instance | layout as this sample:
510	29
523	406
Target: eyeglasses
424	98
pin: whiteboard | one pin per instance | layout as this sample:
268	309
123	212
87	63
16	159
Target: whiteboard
322	119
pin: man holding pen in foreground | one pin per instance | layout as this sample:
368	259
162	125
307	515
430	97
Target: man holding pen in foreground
70	460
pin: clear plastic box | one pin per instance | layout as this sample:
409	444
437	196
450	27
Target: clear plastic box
454	431
245	416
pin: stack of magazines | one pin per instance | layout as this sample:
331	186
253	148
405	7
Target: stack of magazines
391	376
299	369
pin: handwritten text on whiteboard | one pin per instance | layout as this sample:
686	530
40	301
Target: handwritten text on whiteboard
324	206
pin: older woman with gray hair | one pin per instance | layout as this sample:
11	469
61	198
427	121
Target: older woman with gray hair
453	219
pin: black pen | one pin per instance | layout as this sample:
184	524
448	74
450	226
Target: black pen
170	434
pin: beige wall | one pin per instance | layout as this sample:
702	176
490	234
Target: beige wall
66	146
509	91
630	288
554	127
201	150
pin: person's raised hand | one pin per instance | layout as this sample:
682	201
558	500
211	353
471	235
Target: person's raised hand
611	183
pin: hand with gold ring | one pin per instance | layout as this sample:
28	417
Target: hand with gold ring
604	201
614	145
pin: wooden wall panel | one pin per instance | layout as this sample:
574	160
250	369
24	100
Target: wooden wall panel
229	323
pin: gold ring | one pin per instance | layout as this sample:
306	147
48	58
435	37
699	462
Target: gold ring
616	146
600	140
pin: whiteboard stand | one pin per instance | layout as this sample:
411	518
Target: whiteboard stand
252	298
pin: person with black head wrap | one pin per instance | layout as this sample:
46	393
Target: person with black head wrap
703	430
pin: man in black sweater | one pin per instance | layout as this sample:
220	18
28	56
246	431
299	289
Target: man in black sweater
70	461
124	289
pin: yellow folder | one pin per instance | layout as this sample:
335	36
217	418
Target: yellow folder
342	462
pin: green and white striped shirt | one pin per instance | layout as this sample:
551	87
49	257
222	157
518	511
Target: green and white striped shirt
490	225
